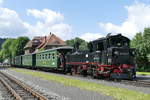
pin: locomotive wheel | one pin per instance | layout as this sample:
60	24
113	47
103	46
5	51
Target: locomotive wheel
72	72
84	73
93	74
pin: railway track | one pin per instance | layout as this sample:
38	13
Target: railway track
17	90
139	83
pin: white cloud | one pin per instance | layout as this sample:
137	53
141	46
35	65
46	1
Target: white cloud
49	21
11	25
138	18
47	15
90	36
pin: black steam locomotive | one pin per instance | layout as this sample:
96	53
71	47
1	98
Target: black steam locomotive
109	57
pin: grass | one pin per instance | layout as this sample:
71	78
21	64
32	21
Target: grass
117	93
143	73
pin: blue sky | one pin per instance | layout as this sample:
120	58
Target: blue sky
88	19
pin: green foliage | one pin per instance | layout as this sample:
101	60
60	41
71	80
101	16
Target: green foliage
141	42
6	50
83	43
18	46
13	47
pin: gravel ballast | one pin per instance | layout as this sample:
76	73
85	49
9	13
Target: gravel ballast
58	91
107	83
55	90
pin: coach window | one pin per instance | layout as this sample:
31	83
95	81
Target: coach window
49	55
42	56
45	56
53	56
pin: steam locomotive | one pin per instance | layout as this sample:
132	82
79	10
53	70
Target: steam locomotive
108	57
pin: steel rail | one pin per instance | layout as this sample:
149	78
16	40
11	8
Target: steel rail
11	90
137	83
25	87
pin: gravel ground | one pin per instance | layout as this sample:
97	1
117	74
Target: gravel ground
1	96
57	91
108	83
144	77
60	92
4	93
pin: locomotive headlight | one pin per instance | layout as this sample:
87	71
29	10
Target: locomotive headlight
116	52
133	52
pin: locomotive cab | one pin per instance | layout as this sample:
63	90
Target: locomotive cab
119	51
121	56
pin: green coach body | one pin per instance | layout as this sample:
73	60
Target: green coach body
49	58
17	61
27	60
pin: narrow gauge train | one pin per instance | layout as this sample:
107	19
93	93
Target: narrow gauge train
109	57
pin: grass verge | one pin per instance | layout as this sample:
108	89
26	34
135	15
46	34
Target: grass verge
143	73
117	93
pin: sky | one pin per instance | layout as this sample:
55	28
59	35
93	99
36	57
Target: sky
87	19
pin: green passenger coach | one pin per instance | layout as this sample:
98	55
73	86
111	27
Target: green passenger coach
27	60
51	58
46	59
17	61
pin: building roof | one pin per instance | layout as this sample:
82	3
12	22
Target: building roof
51	39
34	42
41	42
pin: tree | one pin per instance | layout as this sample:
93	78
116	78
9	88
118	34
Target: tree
18	45
6	50
82	43
141	43
13	47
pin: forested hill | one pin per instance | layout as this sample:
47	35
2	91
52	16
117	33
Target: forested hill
2	40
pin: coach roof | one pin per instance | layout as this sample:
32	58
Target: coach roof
58	48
